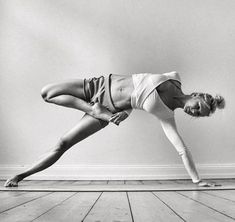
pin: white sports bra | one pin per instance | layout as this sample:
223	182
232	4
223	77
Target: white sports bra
145	96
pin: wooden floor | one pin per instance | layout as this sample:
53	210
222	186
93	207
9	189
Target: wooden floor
137	206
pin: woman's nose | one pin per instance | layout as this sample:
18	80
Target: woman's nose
197	107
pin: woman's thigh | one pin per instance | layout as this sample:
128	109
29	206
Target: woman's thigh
74	87
87	126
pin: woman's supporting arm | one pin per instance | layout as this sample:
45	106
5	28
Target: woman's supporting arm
170	129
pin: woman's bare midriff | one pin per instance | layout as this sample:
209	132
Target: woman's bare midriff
121	88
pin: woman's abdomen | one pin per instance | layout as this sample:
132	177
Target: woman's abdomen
121	88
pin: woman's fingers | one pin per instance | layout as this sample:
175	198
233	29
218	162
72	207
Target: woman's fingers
207	184
114	117
118	117
115	120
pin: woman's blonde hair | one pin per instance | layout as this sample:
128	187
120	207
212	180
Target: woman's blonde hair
211	102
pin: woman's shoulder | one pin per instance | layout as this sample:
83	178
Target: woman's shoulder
170	75
173	75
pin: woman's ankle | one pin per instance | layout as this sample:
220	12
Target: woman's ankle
19	177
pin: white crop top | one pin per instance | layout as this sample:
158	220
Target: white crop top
145	96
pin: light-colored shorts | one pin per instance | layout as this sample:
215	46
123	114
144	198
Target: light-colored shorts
98	90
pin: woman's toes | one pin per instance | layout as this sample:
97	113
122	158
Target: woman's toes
7	183
11	183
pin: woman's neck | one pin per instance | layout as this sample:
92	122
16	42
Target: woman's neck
181	99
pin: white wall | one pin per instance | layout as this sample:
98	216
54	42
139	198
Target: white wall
47	41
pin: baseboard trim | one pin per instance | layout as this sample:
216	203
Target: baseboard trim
121	172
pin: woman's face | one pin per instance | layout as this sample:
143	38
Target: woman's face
196	106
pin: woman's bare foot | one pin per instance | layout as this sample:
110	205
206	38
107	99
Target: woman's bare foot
13	182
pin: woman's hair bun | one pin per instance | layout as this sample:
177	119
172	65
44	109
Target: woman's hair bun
220	101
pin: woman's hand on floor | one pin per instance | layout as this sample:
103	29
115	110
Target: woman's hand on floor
118	117
203	183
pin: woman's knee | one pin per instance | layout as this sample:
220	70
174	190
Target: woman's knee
44	92
48	92
70	87
63	145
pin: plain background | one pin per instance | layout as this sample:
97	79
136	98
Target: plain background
49	41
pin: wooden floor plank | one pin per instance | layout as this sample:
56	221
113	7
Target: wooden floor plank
99	182
133	182
2	182
225	206
73	209
183	181
146	207
15	201
190	210
152	182
82	182
115	182
26	183
169	182
111	206
37	182
6	195
64	182
46	182
227	194
33	209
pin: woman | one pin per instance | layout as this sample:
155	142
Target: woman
111	99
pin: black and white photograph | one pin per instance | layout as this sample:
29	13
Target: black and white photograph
117	110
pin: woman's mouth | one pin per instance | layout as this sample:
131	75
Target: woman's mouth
188	111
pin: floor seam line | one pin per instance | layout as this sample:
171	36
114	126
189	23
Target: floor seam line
169	207
207	206
53	207
218	196
91	207
128	199
26	202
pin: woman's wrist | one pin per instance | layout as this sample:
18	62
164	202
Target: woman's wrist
197	182
100	112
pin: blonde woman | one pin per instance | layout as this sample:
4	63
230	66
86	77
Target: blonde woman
111	99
